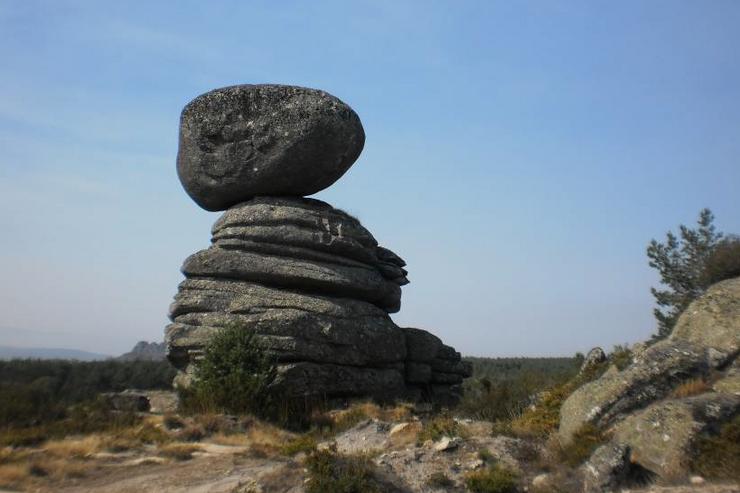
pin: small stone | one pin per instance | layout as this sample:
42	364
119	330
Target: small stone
328	445
399	428
593	358
447	443
475	464
541	481
696	480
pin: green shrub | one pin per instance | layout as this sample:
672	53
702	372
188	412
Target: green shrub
233	375
329	472
495	479
718	456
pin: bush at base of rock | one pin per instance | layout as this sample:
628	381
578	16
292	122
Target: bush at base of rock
234	375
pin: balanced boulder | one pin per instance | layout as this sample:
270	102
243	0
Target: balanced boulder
308	280
242	141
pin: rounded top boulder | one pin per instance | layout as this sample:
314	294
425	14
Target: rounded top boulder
242	141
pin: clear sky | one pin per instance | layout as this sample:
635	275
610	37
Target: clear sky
519	155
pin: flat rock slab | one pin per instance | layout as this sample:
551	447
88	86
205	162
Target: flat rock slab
242	141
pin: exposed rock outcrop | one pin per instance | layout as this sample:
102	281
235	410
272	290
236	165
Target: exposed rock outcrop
594	357
660	437
308	279
645	410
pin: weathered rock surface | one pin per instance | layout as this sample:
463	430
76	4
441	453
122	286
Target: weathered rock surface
316	288
713	321
607	470
706	339
247	140
661	436
615	394
301	244
593	358
652	423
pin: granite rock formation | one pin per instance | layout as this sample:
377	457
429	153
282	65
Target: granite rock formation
242	141
308	279
675	391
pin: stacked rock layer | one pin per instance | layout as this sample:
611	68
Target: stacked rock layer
308	279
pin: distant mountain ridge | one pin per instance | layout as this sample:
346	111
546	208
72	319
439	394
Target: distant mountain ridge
147	351
10	352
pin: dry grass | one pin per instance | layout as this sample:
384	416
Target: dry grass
178	451
302	443
59	469
691	387
359	411
120	444
440	426
24	475
407	436
13	475
193	433
282	478
718	456
585	440
214	423
234	440
77	448
265	440
147	433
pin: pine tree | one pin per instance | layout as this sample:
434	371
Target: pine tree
681	264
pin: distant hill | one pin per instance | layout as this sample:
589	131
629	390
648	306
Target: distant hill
9	352
147	351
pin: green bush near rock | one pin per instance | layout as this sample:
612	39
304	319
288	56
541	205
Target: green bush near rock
233	376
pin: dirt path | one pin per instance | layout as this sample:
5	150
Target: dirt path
211	474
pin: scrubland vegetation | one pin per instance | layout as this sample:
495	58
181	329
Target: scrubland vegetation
42	455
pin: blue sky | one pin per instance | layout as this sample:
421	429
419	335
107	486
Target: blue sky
519	155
